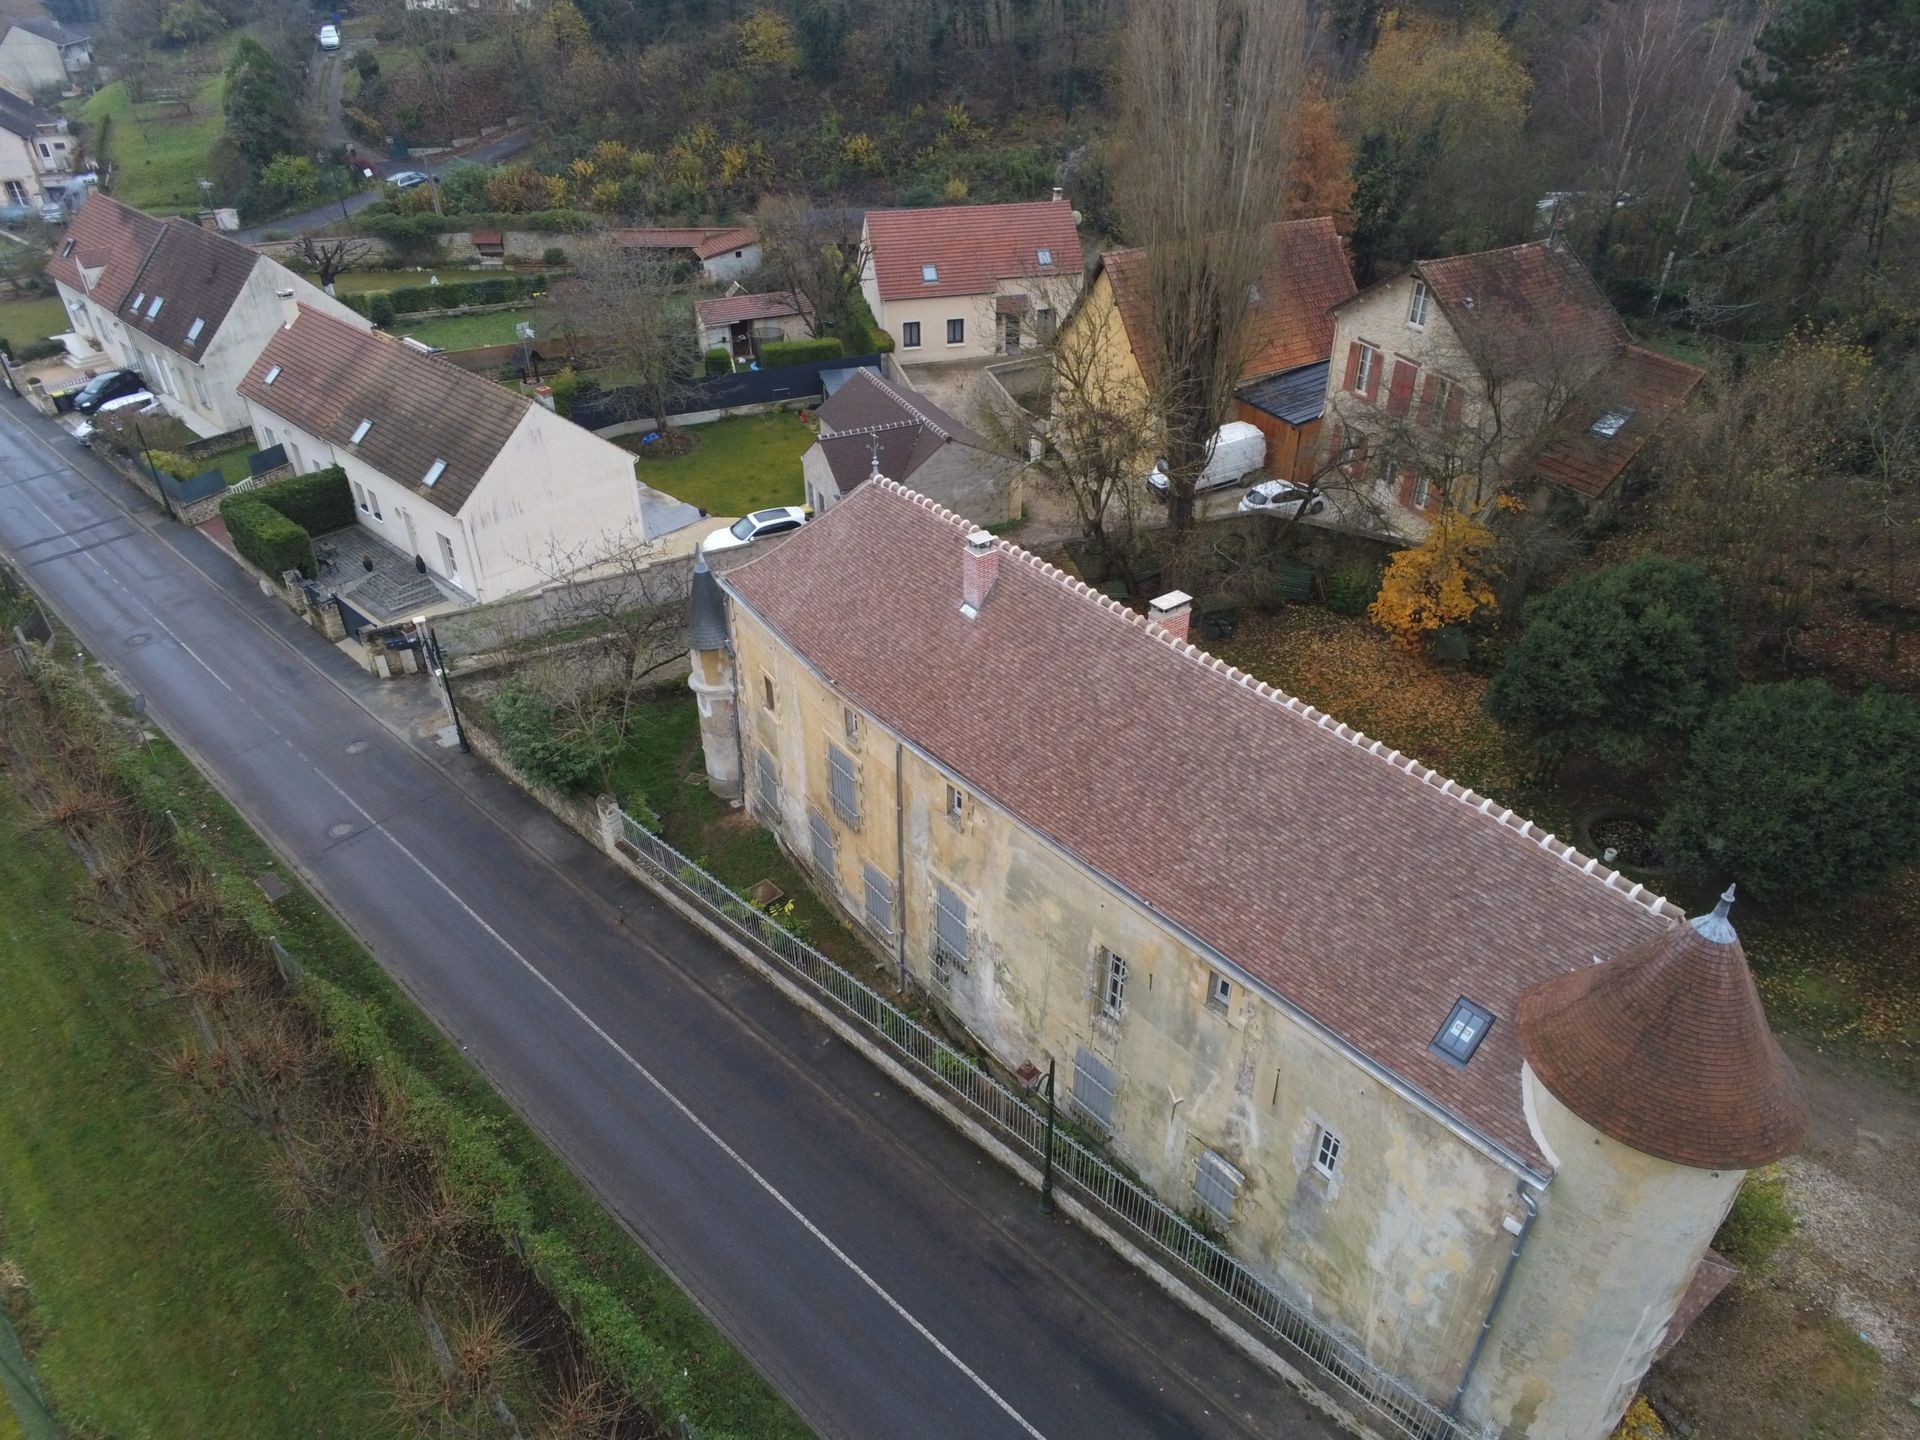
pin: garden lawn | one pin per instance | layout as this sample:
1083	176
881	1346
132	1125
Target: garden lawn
158	156
358	282
746	463
164	1294
31	318
464	332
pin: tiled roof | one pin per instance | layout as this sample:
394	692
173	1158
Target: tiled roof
23	117
1306	275
721	241
112	238
195	274
1636	384
1295	396
907	428
971	247
1507	303
1666	1049
333	376
1359	886
49	30
705	241
742	309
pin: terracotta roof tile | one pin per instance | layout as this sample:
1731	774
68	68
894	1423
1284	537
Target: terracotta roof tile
740	309
721	241
1637	387
971	247
705	241
113	238
1362	888
1505	300
1666	1049
333	376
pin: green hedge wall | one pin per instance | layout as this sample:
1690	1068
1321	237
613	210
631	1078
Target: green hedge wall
798	352
382	306
265	538
718	362
317	503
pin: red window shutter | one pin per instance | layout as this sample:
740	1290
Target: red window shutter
1407	483
1426	400
1454	397
1373	375
1400	396
1353	364
1358	465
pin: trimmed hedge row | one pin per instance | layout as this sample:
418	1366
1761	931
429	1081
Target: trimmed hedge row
317	503
717	361
776	353
266	539
381	306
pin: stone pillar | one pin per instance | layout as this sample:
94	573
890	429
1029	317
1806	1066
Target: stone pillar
712	682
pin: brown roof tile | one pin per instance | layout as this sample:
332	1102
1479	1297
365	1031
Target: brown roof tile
333	376
1359	886
1503	301
907	428
110	237
705	241
193	274
740	309
1666	1049
971	247
1638	384
721	241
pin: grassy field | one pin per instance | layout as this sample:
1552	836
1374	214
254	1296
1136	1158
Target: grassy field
463	332
23	321
737	465
167	1296
158	155
358	282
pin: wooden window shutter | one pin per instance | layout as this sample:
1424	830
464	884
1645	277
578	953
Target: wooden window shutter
1353	364
1400	396
1373	375
1358	465
1454	397
1426	400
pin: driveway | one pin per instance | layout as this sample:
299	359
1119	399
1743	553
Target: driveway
321	216
888	1277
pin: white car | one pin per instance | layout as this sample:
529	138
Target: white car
1281	497
141	402
329	37
757	526
1239	449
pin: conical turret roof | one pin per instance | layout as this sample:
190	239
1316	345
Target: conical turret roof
706	610
1666	1049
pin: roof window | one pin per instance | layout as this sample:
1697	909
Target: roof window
193	330
138	301
434	472
154	308
929	274
272	375
1044	256
1609	423
360	433
66	248
1466	1027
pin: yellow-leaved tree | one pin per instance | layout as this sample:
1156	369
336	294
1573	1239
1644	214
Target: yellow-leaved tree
1444	580
767	41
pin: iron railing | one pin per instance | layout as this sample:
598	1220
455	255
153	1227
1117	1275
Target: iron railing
1117	1198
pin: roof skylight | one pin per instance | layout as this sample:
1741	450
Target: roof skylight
272	375
434	472
1466	1027
154	308
360	432
138	301
1609	423
929	274
193	330
1044	256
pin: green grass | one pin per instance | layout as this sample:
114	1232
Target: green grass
358	282
166	1296
232	464
464	332
746	463
158	157
24	320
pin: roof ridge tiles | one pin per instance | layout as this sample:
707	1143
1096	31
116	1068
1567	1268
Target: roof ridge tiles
1427	775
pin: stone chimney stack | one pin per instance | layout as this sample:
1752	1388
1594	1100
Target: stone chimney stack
978	570
1059	194
1171	612
289	305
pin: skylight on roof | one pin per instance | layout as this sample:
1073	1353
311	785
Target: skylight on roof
360	433
1608	425
1044	256
138	301
272	375
154	308
434	472
193	330
1466	1027
67	248
929	274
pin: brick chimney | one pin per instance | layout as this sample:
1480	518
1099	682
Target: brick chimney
978	571
1171	612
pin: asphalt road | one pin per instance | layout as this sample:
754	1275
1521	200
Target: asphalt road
322	216
886	1276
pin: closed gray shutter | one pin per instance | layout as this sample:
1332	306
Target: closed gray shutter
1093	1087
879	900
846	791
769	785
825	850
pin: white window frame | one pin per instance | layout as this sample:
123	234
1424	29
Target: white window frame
961	322
1442	398
1216	1185
850	724
1417	306
1422	492
910	335
1113	983
1219	991
1326	1150
448	554
1363	372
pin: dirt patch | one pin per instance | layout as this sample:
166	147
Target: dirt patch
1828	1343
676	442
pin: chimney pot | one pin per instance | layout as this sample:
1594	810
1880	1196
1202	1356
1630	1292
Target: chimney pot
978	570
1171	612
1059	193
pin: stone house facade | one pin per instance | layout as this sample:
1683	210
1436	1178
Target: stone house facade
872	423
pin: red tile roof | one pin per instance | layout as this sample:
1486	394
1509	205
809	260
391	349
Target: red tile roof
740	309
721	241
1307	274
1638	384
1365	890
705	241
971	247
110	237
1666	1048
1504	302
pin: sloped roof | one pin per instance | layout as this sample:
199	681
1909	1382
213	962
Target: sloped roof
1363	889
196	274
48	30
705	241
1306	275
721	241
971	247
742	309
1666	1048
106	236
333	376
867	414
1507	303
1639	385
23	117
1295	396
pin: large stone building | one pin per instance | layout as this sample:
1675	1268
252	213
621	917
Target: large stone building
1470	1098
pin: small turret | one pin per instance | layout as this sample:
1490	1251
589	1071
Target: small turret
710	643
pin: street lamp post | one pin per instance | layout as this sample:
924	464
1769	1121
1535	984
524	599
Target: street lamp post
1046	1161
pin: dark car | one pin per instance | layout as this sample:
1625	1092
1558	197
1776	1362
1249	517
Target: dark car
107	385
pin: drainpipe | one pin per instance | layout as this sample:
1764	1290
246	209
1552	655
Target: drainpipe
900	873
1499	1293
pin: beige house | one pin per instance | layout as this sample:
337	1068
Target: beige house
1465	1095
963	282
1503	371
490	492
874	424
39	57
36	156
740	323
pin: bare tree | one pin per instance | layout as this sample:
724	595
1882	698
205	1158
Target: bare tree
816	252
634	313
330	258
1211	87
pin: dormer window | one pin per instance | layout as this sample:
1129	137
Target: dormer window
434	472
154	308
1466	1027
360	433
1045	257
1608	425
271	376
929	274
193	330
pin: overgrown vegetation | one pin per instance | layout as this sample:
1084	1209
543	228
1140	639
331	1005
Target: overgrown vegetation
1759	1222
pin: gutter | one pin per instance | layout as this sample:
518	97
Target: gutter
1527	1198
900	874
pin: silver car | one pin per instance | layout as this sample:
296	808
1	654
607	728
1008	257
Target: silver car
1281	497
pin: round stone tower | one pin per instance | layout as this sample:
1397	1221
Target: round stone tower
712	680
1652	1085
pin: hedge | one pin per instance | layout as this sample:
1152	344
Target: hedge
381	306
266	539
798	352
317	503
379	303
718	362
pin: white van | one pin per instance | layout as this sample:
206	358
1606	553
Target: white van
1239	450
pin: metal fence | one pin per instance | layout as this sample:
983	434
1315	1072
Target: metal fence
1007	1113
806	380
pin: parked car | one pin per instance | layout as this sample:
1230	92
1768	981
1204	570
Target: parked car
107	385
50	211
407	179
329	37
1238	450
757	526
140	402
1281	497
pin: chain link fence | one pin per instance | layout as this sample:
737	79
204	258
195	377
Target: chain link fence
1123	1202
